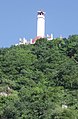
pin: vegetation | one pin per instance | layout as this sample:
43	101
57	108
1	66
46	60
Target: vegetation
40	81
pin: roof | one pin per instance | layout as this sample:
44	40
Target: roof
36	38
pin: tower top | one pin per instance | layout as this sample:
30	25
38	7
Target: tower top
41	12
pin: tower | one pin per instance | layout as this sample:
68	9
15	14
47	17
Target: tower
40	24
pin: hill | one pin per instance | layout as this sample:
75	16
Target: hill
40	81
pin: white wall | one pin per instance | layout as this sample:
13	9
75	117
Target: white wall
41	25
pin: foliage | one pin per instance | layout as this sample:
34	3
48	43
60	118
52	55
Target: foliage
40	81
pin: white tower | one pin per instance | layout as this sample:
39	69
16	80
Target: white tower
41	24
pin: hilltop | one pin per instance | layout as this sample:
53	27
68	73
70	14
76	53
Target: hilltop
40	81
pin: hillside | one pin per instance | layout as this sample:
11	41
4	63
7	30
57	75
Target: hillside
40	81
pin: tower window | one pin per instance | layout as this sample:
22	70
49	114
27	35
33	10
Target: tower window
41	13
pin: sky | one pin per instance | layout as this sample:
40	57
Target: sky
18	19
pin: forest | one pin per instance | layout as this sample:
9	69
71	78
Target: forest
40	81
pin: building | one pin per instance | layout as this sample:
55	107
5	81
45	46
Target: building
40	30
41	24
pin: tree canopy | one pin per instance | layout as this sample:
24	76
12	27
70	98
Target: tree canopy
40	81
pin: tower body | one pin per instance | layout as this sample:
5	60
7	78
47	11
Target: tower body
41	24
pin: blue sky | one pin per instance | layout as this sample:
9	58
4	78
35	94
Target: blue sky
18	19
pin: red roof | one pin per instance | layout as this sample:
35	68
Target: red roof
35	39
